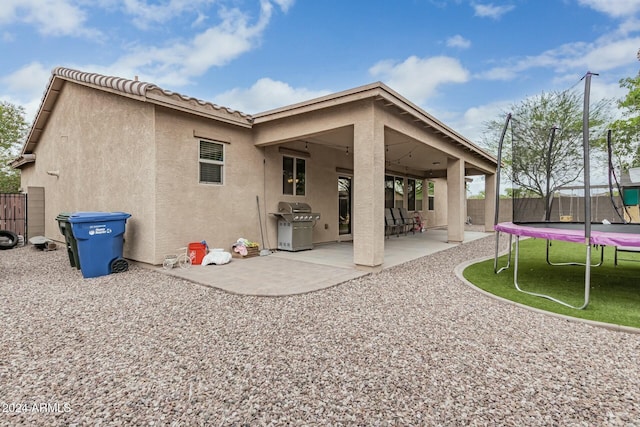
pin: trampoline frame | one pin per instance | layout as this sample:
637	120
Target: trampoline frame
587	280
587	208
625	235
575	263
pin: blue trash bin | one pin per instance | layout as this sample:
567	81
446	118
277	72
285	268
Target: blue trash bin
100	238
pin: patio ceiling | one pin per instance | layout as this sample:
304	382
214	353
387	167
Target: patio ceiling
410	154
402	153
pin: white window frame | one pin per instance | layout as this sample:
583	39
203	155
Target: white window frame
213	162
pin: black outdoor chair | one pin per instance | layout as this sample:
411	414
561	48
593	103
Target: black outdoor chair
408	219
404	226
391	226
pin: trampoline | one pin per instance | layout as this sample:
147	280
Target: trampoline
533	215
601	234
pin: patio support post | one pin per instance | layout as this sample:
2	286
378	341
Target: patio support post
368	197
489	201
456	200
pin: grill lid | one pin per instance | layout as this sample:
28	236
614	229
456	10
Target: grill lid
293	207
296	211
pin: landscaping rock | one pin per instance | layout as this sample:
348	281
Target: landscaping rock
411	345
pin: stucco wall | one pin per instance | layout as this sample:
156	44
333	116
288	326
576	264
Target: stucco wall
321	188
438	216
102	146
188	211
118	154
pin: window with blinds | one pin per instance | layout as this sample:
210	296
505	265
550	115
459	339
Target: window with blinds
211	162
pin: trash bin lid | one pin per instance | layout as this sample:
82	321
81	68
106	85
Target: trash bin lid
78	217
63	216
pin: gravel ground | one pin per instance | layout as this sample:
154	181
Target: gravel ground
408	346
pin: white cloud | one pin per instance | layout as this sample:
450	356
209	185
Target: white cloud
602	88
472	122
284	4
615	8
458	41
491	11
176	63
51	17
199	20
629	25
146	14
602	55
265	94
171	65
499	73
29	80
26	87
419	78
606	57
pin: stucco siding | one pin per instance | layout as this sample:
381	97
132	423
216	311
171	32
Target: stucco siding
188	211
101	146
440	199
321	187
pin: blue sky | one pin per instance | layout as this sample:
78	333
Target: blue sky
464	61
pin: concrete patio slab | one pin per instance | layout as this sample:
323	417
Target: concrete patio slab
267	276
289	273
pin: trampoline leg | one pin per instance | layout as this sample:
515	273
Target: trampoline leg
515	264
587	279
574	263
495	258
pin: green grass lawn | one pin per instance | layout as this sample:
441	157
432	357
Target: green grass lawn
615	290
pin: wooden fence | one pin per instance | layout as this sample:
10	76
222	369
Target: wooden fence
13	213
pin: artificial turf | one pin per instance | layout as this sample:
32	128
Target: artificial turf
614	291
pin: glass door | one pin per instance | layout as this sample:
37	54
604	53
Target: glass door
344	205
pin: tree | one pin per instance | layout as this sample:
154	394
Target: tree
547	120
480	195
13	129
626	131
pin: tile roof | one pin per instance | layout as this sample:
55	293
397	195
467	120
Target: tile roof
138	88
147	92
133	87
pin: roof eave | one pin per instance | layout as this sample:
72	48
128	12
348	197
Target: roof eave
22	160
46	107
133	89
350	95
430	121
392	98
193	106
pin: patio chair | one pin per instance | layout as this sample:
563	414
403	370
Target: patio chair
409	220
391	226
404	226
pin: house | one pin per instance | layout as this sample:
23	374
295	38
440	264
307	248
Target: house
189	170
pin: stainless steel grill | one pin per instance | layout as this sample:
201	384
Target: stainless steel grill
295	226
